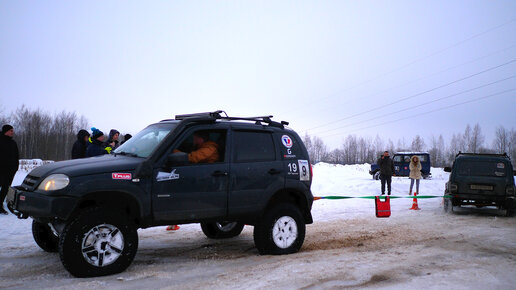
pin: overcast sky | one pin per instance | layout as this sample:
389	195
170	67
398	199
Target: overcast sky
331	68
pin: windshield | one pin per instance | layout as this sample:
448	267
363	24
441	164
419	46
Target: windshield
481	168
146	141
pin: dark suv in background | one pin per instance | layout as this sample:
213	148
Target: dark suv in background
401	164
90	209
481	180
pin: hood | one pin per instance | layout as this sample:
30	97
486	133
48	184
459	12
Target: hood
82	134
88	166
112	133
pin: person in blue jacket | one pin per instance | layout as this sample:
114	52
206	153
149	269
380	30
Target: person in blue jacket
96	146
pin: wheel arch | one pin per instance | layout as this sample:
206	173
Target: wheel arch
295	197
121	201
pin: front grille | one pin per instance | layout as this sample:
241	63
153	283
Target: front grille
29	182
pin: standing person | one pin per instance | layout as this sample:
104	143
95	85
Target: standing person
79	147
126	137
415	173
386	171
96	146
112	142
9	161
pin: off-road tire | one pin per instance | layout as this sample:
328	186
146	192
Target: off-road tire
222	230
89	221
448	205
263	230
45	237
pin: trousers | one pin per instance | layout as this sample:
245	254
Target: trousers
6	178
386	179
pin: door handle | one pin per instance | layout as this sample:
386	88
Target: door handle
219	173
274	171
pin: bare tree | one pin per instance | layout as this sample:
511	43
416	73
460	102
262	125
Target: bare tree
502	140
477	139
467	139
319	149
350	149
418	144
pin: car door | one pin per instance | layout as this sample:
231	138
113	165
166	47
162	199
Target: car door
192	192
256	170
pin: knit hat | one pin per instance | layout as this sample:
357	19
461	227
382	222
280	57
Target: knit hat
6	128
95	133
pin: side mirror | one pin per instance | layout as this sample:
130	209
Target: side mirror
447	169
177	159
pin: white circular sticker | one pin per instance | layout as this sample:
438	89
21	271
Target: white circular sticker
287	142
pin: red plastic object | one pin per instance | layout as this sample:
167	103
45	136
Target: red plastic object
383	208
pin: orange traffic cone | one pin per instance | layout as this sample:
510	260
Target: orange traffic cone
173	228
414	203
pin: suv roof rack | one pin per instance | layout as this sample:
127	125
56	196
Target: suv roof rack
484	154
217	115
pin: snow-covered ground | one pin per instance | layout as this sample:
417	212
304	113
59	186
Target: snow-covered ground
345	247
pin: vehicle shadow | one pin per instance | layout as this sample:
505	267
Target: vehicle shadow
484	211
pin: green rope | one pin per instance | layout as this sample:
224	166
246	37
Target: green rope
381	197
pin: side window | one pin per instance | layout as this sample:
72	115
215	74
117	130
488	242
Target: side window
204	146
253	146
397	158
406	159
422	158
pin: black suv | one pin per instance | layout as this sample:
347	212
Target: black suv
90	209
480	180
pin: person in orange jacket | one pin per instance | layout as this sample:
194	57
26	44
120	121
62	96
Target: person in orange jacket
206	152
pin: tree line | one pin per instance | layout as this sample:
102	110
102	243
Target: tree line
46	136
358	150
42	135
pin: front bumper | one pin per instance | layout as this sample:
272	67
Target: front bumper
37	205
482	199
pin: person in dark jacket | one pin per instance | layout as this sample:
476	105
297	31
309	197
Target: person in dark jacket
79	147
96	146
112	142
9	161
386	171
126	138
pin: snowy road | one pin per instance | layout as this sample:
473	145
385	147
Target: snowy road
346	247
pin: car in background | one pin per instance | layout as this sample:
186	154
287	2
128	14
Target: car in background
401	164
481	180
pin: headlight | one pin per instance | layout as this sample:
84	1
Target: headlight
54	182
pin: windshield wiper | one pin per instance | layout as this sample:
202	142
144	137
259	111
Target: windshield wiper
126	154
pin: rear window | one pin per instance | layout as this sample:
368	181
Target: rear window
481	168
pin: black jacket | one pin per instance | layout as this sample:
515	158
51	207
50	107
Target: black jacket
386	166
79	147
95	148
9	156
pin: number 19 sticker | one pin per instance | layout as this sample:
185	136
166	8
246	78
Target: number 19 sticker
304	170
